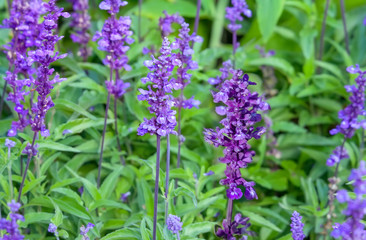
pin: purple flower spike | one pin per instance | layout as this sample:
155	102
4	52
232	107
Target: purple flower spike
240	112
158	94
52	228
81	24
174	224
297	226
166	22
349	116
234	13
353	228
10	226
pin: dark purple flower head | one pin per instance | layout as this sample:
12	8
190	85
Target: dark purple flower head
81	24
349	116
29	150
159	92
297	226
353	228
229	231
165	23
10	226
174	224
234	14
84	231
240	111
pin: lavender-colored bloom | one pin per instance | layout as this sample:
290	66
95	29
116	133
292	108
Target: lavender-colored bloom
234	13
114	39
174	224
45	55
353	228
209	173
165	23
229	231
149	51
81	190
350	115
23	21
297	226
9	143
52	228
364	21
225	72
238	128
66	131
29	150
84	231
11	226
158	94
124	196
81	24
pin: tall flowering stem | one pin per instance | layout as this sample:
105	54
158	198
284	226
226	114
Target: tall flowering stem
183	43
81	24
235	13
353	228
44	56
10	144
240	110
114	39
161	102
350	122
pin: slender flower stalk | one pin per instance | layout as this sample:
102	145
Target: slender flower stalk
324	25
167	176
353	227
43	56
161	102
297	226
113	39
234	14
10	144
350	122
346	39
139	23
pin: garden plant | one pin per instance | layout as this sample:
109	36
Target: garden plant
182	119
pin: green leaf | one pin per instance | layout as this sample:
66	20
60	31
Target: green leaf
194	229
259	220
110	182
122	234
64	103
182	191
278	63
45	144
268	13
108	203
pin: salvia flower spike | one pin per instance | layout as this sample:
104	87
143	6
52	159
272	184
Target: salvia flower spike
81	24
174	224
297	226
10	226
84	231
353	228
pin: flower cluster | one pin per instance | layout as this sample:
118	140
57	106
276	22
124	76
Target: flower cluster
353	228
225	72
234	13
238	128
349	116
297	226
84	231
183	44
158	94
230	230
113	39
11	226
81	24
44	56
52	228
174	224
23	21
165	23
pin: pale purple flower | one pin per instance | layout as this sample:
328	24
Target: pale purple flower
174	224
10	226
9	143
297	226
84	231
124	196
236	12
165	23
353	227
209	173
66	131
